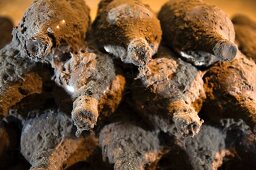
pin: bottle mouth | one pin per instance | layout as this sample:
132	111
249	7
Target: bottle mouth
39	47
85	113
84	121
225	50
187	124
139	52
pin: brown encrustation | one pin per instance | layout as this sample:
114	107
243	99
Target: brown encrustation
128	146
200	33
48	142
94	83
48	35
129	30
172	88
18	78
230	90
